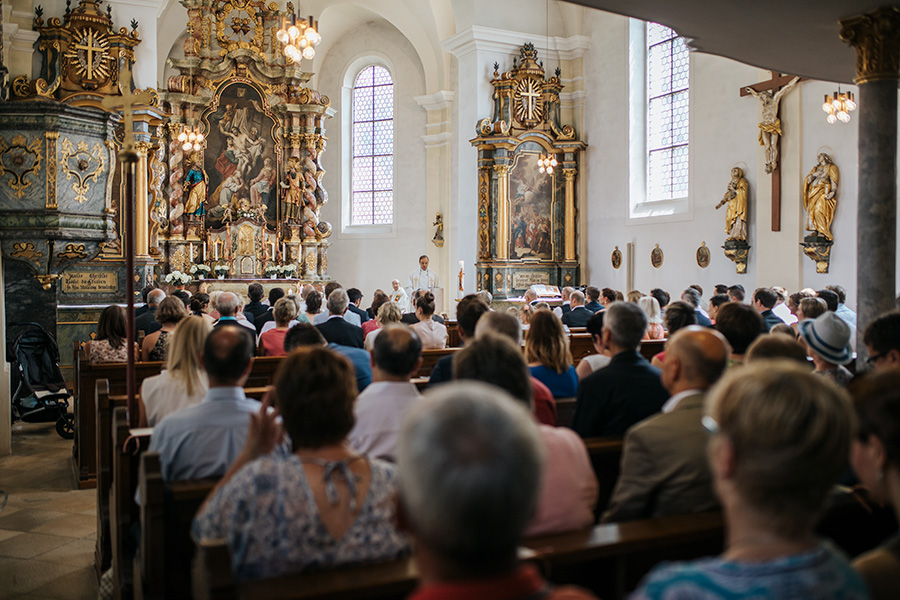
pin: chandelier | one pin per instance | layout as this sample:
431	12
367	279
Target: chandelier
547	163
191	138
299	36
839	106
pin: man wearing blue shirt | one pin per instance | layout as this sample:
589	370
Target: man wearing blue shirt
203	440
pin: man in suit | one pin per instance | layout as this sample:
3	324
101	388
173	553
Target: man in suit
255	307
627	390
764	301
355	298
144	293
579	315
335	329
664	467
147	321
275	294
228	305
592	293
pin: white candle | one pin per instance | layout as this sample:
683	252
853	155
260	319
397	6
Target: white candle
283	255
460	265
217	251
204	251
273	250
192	252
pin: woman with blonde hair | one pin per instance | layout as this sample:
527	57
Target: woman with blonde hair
183	383
780	437
634	296
650	306
388	313
171	310
432	334
271	341
548	355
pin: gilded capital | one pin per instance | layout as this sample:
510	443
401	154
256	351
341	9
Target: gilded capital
876	37
570	174
501	170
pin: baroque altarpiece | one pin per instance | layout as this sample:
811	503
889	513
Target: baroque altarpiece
526	211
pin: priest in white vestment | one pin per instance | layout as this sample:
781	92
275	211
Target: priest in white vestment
423	278
399	296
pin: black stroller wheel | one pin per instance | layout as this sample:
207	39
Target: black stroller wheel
65	426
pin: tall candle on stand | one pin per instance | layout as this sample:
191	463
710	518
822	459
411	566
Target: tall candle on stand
192	252
273	250
204	251
216	245
283	255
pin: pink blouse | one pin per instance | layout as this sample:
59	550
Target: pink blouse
432	334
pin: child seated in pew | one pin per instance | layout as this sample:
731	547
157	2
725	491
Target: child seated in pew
183	383
780	438
322	506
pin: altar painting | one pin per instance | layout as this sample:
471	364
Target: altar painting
241	159
530	203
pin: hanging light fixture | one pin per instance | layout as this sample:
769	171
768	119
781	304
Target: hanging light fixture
839	106
299	36
191	139
546	163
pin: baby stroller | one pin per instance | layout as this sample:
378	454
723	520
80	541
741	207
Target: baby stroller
41	395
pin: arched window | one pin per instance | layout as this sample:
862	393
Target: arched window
668	72
372	171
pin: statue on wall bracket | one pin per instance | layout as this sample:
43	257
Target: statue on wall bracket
820	202
736	199
527	168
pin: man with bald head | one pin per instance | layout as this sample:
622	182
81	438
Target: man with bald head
664	467
380	409
203	440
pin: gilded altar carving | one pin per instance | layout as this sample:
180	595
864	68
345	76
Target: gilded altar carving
876	38
77	164
72	252
19	159
51	137
526	211
235	20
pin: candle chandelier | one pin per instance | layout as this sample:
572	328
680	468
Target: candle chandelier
546	163
299	36
839	106
191	138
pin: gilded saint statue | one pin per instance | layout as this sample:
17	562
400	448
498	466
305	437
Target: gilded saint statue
196	181
770	126
736	199
820	197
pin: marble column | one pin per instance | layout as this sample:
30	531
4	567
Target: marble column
876	38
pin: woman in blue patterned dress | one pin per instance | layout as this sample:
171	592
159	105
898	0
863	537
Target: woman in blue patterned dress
322	506
780	438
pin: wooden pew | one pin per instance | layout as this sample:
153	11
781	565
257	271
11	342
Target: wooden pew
162	567
580	345
86	377
430	358
606	457
650	348
565	410
612	557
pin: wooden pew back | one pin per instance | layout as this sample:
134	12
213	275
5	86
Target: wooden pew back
430	358
162	570
606	455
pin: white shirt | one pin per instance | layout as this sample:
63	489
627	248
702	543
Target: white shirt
423	280
596	361
271	325
349	316
380	410
784	313
673	401
401	298
162	395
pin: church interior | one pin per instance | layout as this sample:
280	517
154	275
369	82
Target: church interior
516	143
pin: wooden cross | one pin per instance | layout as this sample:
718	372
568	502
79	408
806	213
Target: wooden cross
90	49
774	84
126	102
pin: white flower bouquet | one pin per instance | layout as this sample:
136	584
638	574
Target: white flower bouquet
178	278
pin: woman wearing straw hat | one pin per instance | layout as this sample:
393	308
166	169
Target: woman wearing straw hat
827	339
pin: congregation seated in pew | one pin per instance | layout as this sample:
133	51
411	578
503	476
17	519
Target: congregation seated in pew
110	344
548	355
321	506
171	310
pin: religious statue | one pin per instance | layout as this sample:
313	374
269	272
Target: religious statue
292	190
196	182
820	197
770	127
438	239
736	199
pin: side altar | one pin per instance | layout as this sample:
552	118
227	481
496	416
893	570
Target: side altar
527	168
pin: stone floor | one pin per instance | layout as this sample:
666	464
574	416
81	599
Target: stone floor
48	528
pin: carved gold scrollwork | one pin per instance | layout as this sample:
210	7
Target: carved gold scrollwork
25	250
876	37
76	162
311	263
18	159
484	223
235	20
51	136
72	252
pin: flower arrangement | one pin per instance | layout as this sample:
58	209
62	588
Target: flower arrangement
273	270
200	271
220	270
178	278
288	270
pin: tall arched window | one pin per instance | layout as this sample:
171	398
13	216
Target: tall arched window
372	180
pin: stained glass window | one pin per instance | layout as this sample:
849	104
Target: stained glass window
667	114
372	182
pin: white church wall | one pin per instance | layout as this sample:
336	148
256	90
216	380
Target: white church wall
362	258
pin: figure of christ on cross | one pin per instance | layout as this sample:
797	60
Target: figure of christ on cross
769	93
126	103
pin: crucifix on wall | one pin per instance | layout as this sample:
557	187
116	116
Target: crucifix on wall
769	93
